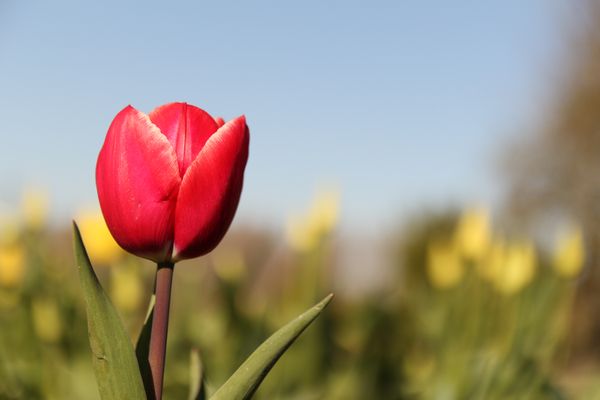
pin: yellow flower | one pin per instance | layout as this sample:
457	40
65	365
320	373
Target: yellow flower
492	263
99	243
569	253
517	269
126	289
324	213
46	320
34	206
444	266
304	232
473	233
300	235
12	264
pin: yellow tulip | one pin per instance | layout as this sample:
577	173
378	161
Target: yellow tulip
473	233
304	232
518	268
569	254
298	235
324	213
444	266
492	263
12	265
99	243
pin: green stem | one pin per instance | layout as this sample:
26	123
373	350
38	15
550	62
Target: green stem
160	325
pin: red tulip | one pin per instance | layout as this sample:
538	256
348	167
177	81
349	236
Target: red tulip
169	182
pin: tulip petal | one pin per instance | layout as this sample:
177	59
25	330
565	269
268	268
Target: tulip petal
210	191
138	181
220	121
187	127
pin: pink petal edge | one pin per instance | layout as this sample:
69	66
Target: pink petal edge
138	182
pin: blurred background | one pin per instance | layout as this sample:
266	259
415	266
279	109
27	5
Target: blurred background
435	166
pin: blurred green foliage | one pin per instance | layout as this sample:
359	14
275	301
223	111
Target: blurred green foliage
468	312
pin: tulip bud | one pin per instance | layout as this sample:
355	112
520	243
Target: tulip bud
473	233
519	268
569	254
169	182
444	266
12	265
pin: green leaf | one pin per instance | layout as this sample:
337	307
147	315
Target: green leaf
113	358
197	386
142	349
244	382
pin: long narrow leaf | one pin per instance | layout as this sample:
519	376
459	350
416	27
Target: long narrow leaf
244	382
113	358
142	349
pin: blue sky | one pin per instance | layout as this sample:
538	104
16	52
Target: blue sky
398	103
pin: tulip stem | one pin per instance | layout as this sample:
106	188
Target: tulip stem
160	325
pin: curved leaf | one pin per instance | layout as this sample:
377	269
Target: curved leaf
113	358
244	382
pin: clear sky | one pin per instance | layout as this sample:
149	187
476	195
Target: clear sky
398	103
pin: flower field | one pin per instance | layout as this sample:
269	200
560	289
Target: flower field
466	311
